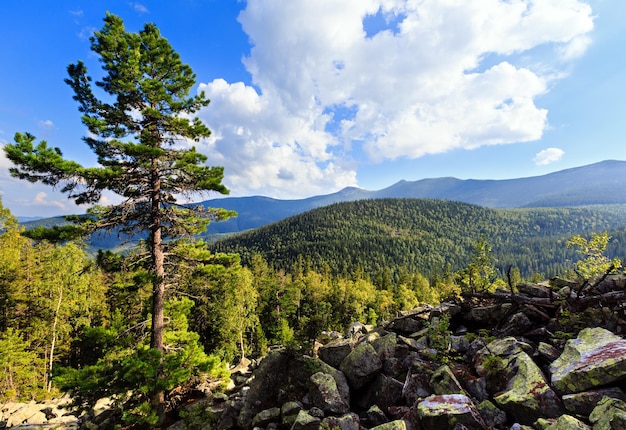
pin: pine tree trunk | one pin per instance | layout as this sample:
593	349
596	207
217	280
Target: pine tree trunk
158	290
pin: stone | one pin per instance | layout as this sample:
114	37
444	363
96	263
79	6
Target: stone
516	324
323	393
406	324
488	315
595	358
548	352
609	414
534	290
375	416
304	421
361	365
385	346
384	392
443	381
265	417
27	414
345	422
568	422
417	382
492	416
527	396
439	412
334	352
288	413
584	403
392	425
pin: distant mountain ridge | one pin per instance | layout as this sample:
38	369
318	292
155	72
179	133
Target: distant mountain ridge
599	183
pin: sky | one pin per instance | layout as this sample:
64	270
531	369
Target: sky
309	97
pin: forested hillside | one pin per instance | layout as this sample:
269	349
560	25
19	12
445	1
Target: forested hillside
428	236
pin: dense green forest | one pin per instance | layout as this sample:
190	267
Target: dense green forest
427	236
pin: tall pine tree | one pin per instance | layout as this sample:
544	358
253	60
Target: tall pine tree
140	132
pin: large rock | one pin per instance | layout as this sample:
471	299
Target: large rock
443	381
610	414
361	365
528	396
305	421
335	351
417	382
27	414
595	358
568	422
583	403
383	392
447	411
346	422
323	393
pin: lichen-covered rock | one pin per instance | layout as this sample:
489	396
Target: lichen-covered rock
375	416
305	421
492	416
583	403
323	393
334	352
443	381
548	351
595	358
528	396
361	365
568	422
288	413
417	382
345	422
440	412
384	392
392	425
265	417
609	414
516	324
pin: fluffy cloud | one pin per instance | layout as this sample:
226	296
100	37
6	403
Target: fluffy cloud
47	124
547	156
383	79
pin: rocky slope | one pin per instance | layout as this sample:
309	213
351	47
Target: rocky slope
544	356
509	360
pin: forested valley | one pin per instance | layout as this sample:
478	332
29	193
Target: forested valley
388	237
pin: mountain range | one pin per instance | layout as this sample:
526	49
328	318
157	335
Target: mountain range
598	183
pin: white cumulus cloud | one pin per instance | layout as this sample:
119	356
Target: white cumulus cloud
432	76
548	156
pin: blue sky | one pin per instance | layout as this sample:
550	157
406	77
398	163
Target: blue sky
310	97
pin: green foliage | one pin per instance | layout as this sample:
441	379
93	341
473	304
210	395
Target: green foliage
439	333
594	262
131	374
494	364
480	275
23	371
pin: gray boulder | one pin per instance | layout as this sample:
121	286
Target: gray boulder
595	358
449	410
527	396
361	366
323	394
